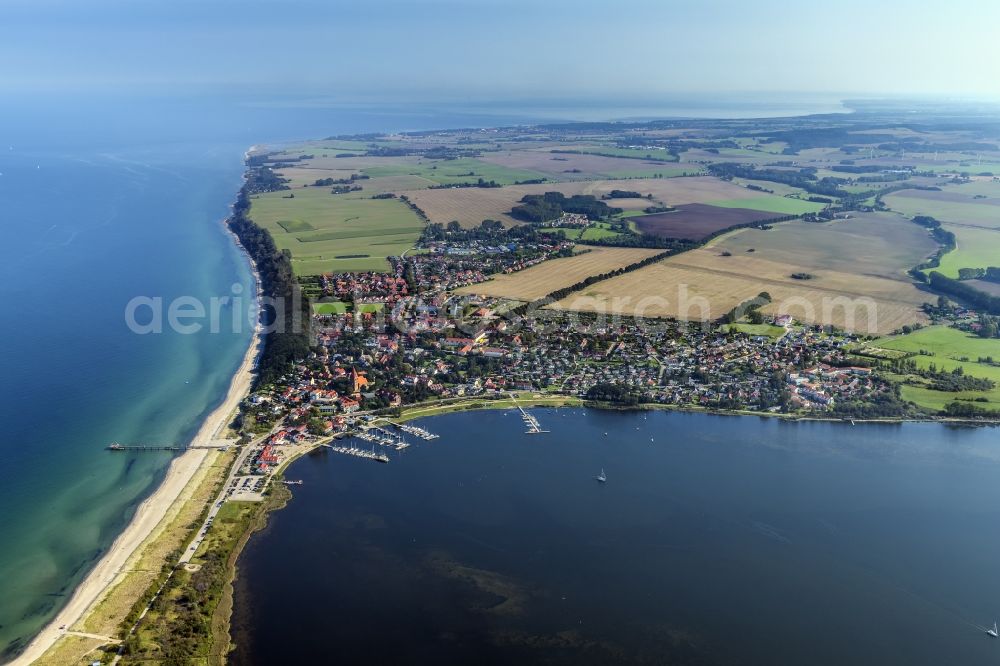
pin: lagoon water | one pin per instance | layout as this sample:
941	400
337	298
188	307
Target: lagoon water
716	540
103	199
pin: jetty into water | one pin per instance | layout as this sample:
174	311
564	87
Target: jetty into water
382	437
416	431
534	428
115	446
358	453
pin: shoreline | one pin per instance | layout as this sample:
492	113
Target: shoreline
151	512
535	399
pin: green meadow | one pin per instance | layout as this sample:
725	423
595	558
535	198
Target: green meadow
974	248
971	167
598	231
770	330
948	348
772	204
330	307
958	212
452	172
336	232
339	307
976	225
665	171
637	153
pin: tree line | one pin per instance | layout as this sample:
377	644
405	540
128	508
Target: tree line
289	342
965	292
551	205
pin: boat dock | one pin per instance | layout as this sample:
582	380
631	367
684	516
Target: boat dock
381	437
534	428
416	431
358	453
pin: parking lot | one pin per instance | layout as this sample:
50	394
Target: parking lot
246	488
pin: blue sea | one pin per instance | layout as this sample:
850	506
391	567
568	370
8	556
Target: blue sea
107	198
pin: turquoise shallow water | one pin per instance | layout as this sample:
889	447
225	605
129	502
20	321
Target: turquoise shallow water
716	540
87	232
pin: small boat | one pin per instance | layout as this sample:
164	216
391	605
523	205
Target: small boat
604	477
989	632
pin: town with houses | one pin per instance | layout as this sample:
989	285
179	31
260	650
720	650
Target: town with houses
405	338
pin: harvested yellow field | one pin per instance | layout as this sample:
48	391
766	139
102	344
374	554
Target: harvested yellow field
851	284
690	291
470	206
538	281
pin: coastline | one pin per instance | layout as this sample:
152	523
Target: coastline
152	512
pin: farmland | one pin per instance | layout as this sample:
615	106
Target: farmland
947	207
857	269
879	244
948	349
470	206
696	221
352	231
563	166
974	248
449	172
975	222
327	232
772	204
541	280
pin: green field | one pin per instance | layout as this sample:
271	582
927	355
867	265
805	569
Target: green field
974	248
665	171
328	308
971	167
597	231
770	330
772	204
959	212
324	230
614	151
946	347
976	225
450	172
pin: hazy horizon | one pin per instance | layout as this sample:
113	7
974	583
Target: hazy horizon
392	50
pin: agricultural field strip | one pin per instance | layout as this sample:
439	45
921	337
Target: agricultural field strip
650	293
541	280
470	206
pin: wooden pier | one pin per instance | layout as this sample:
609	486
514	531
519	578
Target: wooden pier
115	446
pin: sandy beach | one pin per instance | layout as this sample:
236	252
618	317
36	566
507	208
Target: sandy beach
149	514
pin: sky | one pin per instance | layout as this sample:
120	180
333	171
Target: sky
489	49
